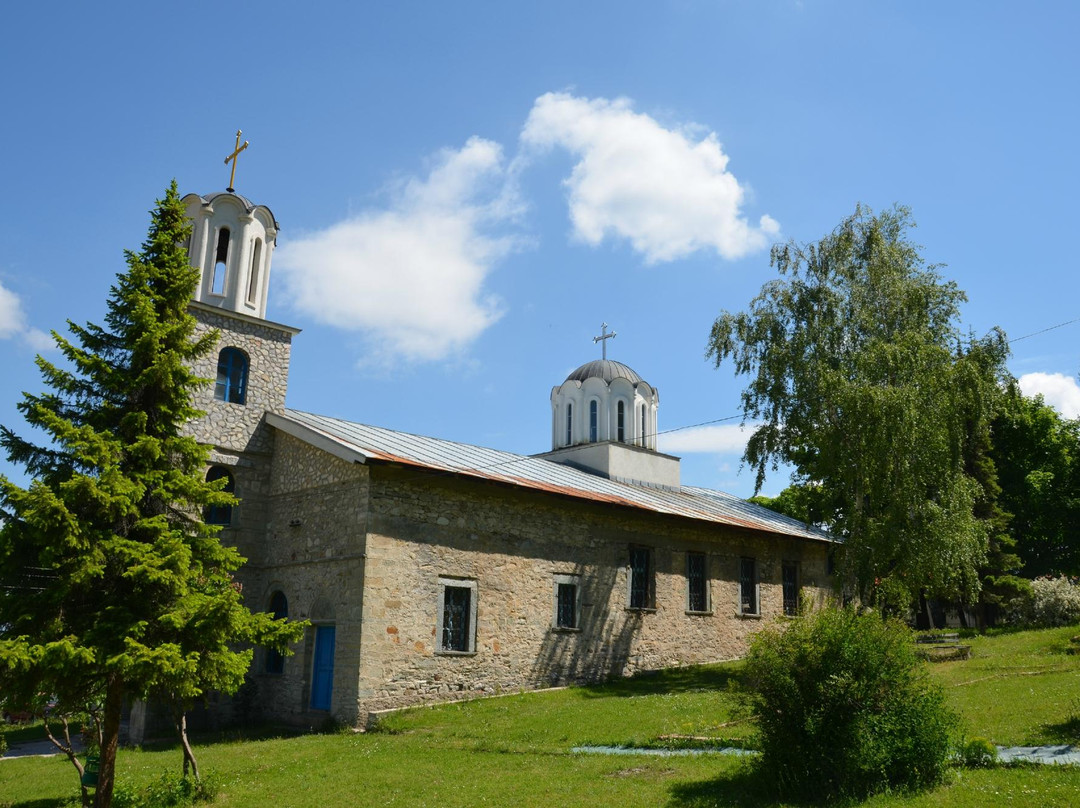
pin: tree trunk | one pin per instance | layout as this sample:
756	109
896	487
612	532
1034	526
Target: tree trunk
110	739
189	755
66	747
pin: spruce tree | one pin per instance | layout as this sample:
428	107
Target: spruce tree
112	586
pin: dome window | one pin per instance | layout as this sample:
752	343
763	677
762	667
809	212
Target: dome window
594	422
232	374
620	424
569	423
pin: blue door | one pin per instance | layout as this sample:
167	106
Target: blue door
322	675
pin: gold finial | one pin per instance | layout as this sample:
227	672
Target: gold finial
233	156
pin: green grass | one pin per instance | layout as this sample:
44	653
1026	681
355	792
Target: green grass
514	750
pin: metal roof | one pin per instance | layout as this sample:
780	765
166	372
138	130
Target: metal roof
606	369
362	443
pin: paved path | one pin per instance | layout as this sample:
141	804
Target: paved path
1054	755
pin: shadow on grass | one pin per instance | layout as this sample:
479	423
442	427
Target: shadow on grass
671	680
54	802
743	787
1067	731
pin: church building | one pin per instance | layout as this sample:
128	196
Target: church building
433	570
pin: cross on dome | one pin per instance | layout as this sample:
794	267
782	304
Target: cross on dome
603	338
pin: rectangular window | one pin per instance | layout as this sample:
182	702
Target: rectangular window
748	593
457	616
642	588
697	584
567	597
790	577
594	422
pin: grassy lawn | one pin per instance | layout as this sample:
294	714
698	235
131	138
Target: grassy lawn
1018	688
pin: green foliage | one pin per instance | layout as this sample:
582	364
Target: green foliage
844	708
1037	453
168	791
803	502
1051	602
979	753
113	587
860	378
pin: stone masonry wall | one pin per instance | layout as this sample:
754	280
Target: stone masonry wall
511	543
313	552
238	427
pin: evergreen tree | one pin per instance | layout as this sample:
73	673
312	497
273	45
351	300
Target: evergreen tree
113	588
860	379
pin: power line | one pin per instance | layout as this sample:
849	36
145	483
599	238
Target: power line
1043	331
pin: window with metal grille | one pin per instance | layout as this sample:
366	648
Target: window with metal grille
279	607
594	422
232	375
219	514
566	610
641	578
790	578
457	618
620	428
748	596
569	424
697	593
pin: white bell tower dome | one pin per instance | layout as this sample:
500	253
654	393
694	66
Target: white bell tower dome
232	241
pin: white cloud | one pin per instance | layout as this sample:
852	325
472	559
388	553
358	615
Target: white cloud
1058	390
12	319
411	277
13	323
667	191
720	439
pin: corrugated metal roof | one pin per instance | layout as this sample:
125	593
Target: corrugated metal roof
362	443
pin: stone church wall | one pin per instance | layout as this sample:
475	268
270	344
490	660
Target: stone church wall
510	544
313	552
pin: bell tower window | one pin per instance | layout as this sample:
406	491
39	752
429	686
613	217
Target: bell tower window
620	427
253	277
232	375
594	422
221	255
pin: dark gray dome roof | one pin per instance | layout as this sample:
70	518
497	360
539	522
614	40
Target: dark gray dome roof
606	369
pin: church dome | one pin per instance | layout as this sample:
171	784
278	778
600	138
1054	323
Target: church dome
606	369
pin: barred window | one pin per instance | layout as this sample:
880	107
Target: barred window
790	577
697	589
748	592
457	616
642	587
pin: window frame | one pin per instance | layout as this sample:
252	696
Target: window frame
469	585
220	515
560	580
594	420
641	598
791	599
274	661
706	594
749	562
226	388
620	421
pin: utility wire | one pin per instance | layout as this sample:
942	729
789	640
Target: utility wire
1043	331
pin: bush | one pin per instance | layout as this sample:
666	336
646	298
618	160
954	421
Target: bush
845	708
1052	602
979	753
168	791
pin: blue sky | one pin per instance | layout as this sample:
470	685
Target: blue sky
467	190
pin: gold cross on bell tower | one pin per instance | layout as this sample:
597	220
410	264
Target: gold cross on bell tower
232	157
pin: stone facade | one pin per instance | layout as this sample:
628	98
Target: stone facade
368	548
